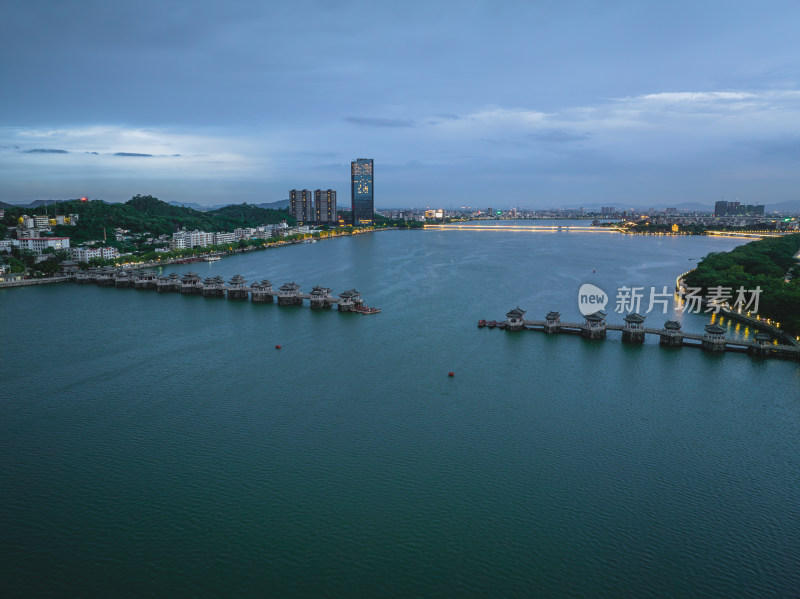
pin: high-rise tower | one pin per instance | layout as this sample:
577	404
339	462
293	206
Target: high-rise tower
325	206
301	205
362	191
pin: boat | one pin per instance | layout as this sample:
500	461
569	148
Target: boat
366	310
481	323
211	258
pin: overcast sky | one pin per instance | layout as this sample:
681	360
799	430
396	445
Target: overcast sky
516	103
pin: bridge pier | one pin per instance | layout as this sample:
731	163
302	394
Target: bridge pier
633	331
595	326
349	299
552	322
714	339
289	295
237	288
213	287
261	292
191	284
671	335
762	346
515	320
321	298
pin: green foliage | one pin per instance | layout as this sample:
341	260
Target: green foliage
764	263
16	265
27	257
146	214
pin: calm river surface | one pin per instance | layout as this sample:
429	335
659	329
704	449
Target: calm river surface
159	445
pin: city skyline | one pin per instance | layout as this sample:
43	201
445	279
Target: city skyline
529	104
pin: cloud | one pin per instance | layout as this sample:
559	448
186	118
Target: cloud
45	151
379	122
557	136
696	97
134	154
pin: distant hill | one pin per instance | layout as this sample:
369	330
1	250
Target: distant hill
792	206
34	204
146	213
196	206
279	205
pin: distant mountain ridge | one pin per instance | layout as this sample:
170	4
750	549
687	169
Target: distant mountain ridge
279	205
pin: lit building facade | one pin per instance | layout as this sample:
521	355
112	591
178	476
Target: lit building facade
362	191
40	244
325	205
301	205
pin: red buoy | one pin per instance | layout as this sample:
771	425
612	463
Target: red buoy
277	347
451	373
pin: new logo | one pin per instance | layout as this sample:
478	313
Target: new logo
591	299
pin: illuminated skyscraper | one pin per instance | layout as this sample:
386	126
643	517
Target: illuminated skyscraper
325	206
362	191
301	205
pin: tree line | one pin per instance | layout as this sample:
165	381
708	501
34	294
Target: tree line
767	263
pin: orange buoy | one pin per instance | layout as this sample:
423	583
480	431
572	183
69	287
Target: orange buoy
451	373
277	347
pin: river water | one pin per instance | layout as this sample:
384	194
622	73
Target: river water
159	445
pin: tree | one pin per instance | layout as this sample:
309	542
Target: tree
16	265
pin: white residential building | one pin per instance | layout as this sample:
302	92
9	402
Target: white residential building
7	244
39	244
201	239
84	254
190	239
243	233
41	221
220	238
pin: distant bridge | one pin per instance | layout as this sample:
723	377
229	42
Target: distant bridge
526	228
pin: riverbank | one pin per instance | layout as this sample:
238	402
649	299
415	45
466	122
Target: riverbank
189	258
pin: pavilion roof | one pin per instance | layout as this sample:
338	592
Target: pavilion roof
672	325
552	315
516	313
596	316
635	318
714	329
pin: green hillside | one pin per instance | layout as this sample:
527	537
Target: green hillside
148	214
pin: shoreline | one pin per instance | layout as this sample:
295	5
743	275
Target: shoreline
186	260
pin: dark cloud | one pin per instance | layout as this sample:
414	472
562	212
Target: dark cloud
134	154
95	153
379	122
557	136
45	151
